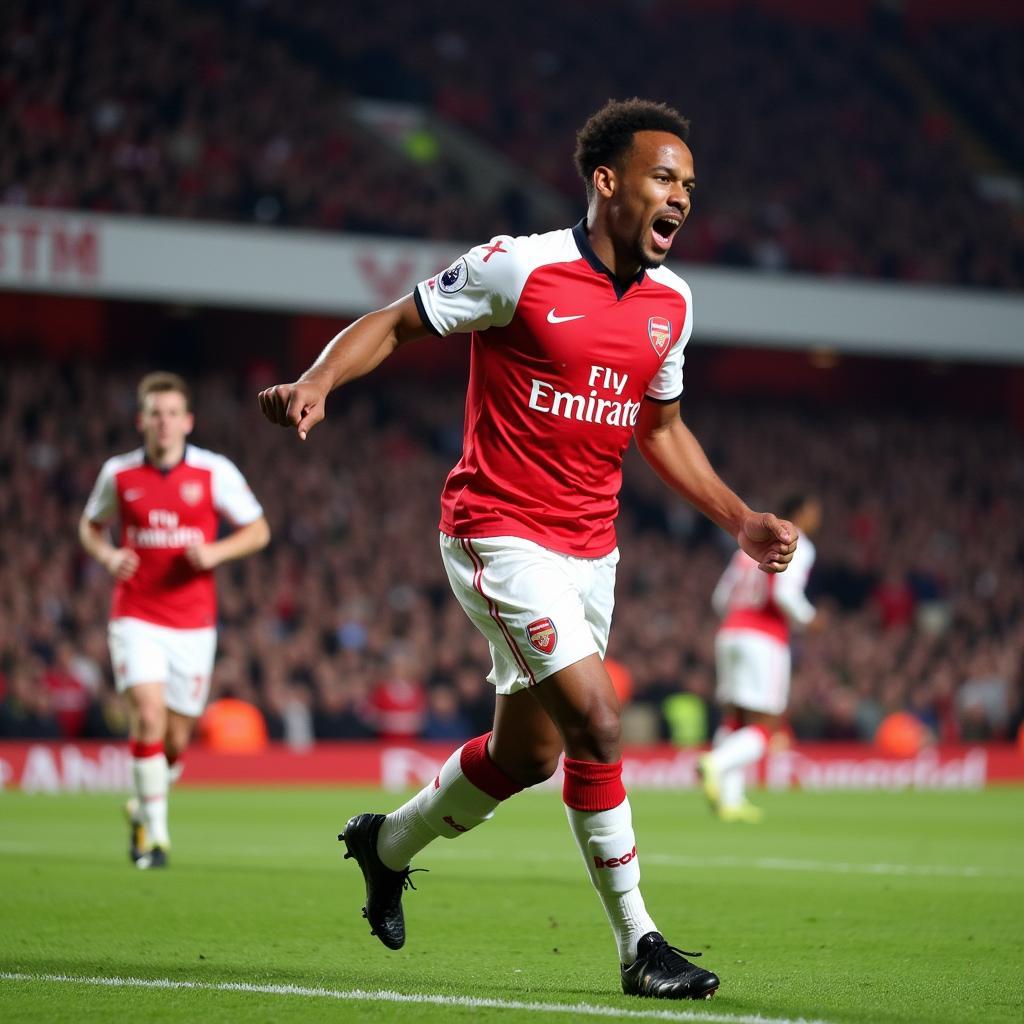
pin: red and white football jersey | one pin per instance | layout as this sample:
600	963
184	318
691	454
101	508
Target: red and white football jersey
562	356
747	598
161	513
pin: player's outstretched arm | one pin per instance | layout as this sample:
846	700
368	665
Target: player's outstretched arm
353	353
677	457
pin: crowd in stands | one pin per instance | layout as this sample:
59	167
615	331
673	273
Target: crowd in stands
813	151
983	68
172	109
345	626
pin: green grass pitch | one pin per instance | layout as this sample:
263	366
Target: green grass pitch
840	907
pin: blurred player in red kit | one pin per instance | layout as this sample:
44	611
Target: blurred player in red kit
577	349
169	497
752	659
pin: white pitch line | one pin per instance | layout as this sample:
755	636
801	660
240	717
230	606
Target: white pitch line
824	866
767	864
665	860
359	995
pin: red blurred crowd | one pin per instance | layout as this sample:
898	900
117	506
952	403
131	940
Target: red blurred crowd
862	150
345	626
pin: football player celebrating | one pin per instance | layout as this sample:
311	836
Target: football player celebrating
577	349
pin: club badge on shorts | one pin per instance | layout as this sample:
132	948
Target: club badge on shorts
543	635
659	330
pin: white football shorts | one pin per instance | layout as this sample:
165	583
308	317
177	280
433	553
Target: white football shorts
539	610
753	670
181	659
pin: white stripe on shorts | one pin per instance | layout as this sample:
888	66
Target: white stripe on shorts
492	609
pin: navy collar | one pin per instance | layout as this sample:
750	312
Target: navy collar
163	470
582	239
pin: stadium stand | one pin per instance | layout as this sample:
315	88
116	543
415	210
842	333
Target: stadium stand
842	147
345	627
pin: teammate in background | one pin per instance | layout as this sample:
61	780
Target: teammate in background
577	348
753	661
169	497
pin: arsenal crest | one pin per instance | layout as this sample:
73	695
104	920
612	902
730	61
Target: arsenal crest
543	635
192	492
659	330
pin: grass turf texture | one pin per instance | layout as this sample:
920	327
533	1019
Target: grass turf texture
841	907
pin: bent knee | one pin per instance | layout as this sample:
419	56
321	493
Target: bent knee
179	736
529	767
174	747
537	770
597	736
150	723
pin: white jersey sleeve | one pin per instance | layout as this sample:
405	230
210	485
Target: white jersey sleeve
102	503
667	384
789	594
479	290
232	497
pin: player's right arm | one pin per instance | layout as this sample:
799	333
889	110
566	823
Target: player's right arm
121	563
353	353
479	290
790	591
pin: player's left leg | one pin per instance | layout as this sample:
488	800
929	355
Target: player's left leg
734	757
755	669
140	672
180	729
190	655
581	700
148	810
710	781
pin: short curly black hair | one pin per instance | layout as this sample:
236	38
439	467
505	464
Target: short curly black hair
608	134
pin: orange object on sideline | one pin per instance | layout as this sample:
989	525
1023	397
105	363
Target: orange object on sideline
233	726
622	680
901	735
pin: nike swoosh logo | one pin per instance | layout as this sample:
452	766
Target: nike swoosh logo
553	318
133	493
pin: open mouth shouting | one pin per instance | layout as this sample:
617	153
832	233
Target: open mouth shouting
663	230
